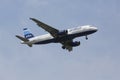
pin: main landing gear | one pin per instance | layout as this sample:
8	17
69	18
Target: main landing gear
63	47
86	37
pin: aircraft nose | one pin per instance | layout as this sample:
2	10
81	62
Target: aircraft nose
95	28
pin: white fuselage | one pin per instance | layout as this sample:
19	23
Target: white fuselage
73	32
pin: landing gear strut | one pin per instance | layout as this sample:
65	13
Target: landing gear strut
86	37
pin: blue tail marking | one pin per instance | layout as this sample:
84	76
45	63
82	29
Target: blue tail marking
27	33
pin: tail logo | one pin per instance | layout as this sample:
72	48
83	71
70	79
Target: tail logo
27	33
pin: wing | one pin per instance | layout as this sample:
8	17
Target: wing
67	46
46	27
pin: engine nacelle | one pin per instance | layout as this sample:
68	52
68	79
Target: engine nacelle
74	44
63	32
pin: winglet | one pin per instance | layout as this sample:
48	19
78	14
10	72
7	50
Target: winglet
33	19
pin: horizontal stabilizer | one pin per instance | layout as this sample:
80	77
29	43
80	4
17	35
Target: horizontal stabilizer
22	38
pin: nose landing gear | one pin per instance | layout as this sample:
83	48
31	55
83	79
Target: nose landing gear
86	37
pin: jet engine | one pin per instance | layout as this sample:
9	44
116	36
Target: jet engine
63	32
74	44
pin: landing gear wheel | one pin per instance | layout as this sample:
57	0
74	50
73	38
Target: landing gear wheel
63	47
86	37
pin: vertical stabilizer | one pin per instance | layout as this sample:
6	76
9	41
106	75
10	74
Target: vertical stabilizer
27	33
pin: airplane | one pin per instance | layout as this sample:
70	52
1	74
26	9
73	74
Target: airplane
65	37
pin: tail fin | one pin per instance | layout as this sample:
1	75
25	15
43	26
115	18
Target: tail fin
27	33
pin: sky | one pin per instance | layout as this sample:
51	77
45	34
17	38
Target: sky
97	58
